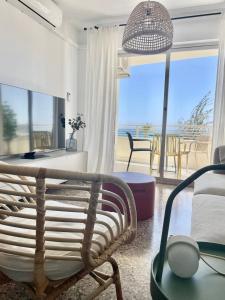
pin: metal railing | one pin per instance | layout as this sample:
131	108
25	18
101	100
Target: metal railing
182	130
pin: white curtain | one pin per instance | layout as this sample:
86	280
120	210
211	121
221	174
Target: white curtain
219	113
101	98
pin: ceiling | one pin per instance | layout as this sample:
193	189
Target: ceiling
81	11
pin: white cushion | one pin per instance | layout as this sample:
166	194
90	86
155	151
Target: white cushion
13	187
20	268
210	183
208	218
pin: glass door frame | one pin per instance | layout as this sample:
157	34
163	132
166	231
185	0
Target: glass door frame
177	47
182	47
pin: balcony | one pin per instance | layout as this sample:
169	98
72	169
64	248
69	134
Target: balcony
193	140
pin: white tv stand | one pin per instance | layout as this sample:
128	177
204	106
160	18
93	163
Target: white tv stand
60	159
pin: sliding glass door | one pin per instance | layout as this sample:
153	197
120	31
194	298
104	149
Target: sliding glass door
190	106
168	101
140	112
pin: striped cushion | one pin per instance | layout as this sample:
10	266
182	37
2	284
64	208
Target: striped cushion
13	187
20	268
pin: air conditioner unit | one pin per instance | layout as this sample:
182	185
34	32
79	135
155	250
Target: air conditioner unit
122	69
44	11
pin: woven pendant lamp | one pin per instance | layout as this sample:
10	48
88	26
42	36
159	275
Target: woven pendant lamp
149	29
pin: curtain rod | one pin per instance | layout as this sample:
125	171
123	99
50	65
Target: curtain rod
175	18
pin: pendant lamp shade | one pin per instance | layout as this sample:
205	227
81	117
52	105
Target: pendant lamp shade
149	29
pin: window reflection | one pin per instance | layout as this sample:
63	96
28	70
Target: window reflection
29	121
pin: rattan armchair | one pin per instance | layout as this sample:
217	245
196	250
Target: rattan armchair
49	244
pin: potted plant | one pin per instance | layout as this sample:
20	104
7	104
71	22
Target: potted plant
75	124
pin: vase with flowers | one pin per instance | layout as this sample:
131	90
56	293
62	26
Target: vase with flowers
75	124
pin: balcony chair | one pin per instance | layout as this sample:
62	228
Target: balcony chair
176	147
42	139
135	149
48	244
202	146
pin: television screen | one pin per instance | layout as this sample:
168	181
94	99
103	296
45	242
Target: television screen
30	121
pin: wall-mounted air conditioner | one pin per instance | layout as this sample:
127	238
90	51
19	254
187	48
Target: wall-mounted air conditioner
44	11
123	68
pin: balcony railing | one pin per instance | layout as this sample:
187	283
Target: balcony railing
183	130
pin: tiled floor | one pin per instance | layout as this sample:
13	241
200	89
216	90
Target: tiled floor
134	259
121	166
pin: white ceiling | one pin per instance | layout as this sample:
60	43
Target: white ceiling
81	11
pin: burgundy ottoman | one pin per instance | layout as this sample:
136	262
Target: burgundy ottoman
143	188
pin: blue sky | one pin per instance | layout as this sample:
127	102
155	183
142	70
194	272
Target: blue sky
141	95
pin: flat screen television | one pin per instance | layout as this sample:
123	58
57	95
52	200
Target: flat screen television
30	121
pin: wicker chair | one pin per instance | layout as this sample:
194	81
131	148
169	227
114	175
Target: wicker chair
49	244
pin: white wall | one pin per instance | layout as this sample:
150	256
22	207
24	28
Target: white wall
70	80
34	57
197	29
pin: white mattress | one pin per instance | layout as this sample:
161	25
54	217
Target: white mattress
208	218
20	268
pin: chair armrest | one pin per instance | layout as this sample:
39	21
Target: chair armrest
141	140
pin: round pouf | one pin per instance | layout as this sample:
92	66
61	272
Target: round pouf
143	188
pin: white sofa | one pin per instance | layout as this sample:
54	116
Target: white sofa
208	208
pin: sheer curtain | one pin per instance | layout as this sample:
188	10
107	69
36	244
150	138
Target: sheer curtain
219	112
101	98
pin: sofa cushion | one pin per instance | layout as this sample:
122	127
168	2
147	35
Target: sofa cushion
208	218
20	268
219	157
210	183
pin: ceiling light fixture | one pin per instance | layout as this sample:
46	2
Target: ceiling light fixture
149	29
